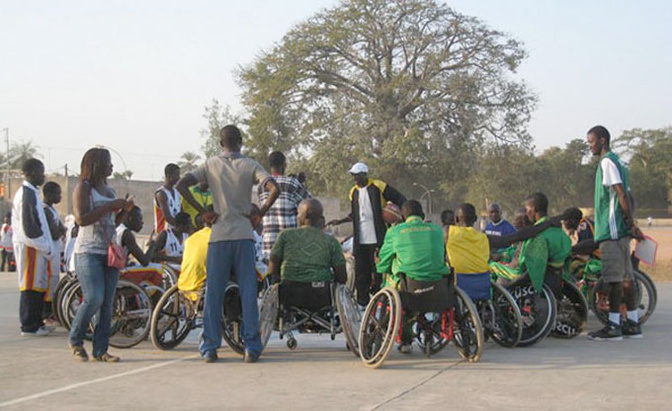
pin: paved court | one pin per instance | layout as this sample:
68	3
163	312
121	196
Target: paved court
321	374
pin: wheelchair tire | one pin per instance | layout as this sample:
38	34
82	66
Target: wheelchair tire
647	298
131	315
468	331
61	300
232	321
349	316
56	301
538	310
502	321
268	313
172	320
380	325
70	302
572	312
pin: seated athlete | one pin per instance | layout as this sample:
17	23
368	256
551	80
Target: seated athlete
413	257
132	222
541	255
468	252
170	242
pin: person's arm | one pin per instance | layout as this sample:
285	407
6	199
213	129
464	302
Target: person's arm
182	186
274	268
271	186
128	240
84	214
162	201
159	245
522	234
346	219
386	254
624	202
391	194
340	274
584	247
54	228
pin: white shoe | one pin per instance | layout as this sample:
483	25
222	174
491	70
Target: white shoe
40	332
405	348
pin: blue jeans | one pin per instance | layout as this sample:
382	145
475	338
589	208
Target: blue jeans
99	283
224	259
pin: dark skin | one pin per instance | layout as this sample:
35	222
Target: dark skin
461	220
600	147
495	214
160	243
162	198
307	208
209	217
84	214
134	222
532	213
56	229
361	180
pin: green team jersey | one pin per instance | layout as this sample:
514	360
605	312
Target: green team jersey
550	248
414	248
609	216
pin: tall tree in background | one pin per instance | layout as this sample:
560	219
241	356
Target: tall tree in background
217	117
188	162
22	151
410	86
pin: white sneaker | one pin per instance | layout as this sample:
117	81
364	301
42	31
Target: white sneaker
40	332
405	348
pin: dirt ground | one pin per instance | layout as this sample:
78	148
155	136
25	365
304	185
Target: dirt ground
662	271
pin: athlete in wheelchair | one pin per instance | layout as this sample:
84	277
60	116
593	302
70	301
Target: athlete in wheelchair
419	300
309	296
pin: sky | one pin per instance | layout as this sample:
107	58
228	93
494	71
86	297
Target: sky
135	76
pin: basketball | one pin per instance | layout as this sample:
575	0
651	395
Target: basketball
391	213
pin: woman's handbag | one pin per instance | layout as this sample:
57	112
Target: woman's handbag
116	256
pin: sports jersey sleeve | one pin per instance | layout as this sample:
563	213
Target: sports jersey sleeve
610	174
535	260
337	258
279	246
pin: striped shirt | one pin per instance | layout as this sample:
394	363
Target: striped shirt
283	212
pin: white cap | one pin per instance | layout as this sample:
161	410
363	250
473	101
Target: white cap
359	168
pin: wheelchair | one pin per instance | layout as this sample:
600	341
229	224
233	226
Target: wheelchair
309	308
178	312
440	313
497	309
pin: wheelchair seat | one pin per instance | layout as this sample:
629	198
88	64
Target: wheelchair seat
312	296
426	296
477	286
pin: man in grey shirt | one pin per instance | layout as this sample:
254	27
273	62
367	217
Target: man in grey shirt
230	177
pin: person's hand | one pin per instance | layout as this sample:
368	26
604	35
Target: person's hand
118	204
209	217
636	233
334	222
274	278
130	203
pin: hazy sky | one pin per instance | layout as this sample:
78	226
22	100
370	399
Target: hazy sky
136	75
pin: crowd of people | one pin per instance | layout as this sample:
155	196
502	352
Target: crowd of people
207	228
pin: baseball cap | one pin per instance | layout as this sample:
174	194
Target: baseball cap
359	168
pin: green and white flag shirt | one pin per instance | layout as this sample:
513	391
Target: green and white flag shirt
609	216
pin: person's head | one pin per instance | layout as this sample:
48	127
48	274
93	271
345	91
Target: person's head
571	218
447	217
520	219
134	219
412	208
360	173
182	223
465	215
310	213
536	206
203	186
277	162
51	192
33	170
96	166
171	173
598	138
230	138
495	213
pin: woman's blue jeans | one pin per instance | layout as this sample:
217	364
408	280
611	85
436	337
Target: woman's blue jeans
99	283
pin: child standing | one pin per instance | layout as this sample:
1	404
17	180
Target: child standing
6	243
52	195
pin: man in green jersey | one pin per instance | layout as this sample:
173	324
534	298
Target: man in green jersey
614	229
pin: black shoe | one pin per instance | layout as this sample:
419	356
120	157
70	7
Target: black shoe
250	356
632	329
611	332
210	357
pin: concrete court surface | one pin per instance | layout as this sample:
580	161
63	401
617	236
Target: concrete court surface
39	373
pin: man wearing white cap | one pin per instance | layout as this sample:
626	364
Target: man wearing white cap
367	199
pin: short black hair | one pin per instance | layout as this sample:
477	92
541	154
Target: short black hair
230	136
171	169
469	213
412	207
182	218
276	159
447	217
31	165
572	213
50	187
600	132
540	202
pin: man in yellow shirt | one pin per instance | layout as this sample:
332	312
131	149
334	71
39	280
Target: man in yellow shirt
201	193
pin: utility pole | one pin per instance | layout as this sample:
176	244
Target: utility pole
8	192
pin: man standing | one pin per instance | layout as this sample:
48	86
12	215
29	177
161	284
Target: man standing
498	226
367	199
167	200
230	177
283	213
614	228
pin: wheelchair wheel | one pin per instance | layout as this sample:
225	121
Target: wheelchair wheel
428	329
538	310
572	312
500	317
268	313
63	313
57	301
232	319
172	319
349	316
380	325
468	331
131	315
647	298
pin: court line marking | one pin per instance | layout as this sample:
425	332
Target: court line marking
90	382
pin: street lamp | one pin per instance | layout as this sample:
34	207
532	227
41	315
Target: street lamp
427	193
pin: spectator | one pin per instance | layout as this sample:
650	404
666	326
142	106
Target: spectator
497	226
167	201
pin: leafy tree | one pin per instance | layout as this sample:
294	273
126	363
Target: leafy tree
124	175
22	151
412	87
217	117
189	162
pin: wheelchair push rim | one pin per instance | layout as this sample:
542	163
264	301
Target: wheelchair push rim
380	324
468	331
350	316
